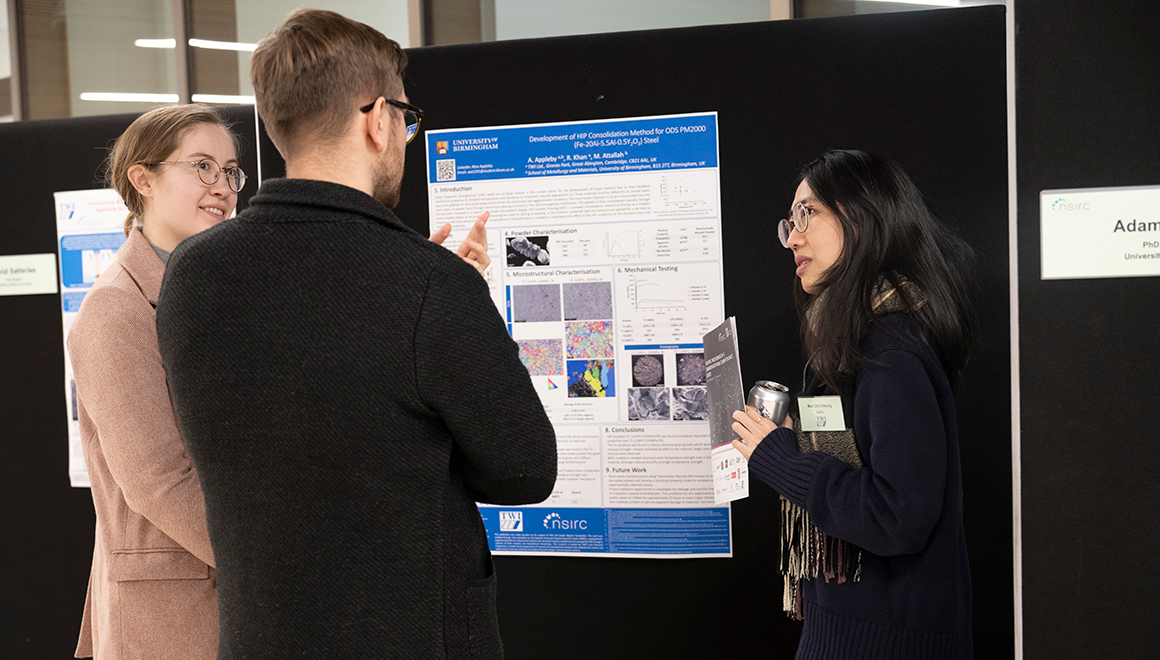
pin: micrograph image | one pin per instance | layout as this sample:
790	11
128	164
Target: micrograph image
587	300
729	397
645	403
690	369
588	339
542	357
536	302
648	370
588	378
690	403
527	251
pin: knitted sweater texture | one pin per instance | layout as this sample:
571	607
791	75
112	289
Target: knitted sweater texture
903	508
348	391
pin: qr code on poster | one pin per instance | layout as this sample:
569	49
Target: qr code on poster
445	169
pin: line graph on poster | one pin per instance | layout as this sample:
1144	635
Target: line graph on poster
667	303
623	244
650	294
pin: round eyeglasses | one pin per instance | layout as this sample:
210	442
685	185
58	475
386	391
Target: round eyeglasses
209	172
411	115
799	219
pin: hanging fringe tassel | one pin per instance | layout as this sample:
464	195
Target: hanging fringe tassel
808	553
791	598
798	606
787	594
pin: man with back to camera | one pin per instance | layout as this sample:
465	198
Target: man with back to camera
347	388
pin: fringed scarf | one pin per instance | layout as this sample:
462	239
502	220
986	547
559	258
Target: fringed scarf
807	552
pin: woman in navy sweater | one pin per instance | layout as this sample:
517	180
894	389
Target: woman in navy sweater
873	551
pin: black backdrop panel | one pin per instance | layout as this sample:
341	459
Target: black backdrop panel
47	526
926	88
1089	90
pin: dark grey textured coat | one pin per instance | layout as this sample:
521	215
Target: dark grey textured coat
347	391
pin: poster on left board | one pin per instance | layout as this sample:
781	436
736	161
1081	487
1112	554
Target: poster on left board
89	230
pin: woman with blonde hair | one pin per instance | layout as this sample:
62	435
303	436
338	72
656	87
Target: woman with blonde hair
152	591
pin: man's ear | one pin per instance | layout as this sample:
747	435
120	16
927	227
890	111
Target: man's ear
142	179
375	125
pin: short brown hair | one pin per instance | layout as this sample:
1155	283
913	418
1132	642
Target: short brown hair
312	71
149	140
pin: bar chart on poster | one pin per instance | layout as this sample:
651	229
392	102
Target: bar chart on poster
605	240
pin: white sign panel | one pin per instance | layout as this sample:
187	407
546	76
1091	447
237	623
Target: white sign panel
1100	232
27	274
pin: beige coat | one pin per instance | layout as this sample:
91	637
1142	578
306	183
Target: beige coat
152	590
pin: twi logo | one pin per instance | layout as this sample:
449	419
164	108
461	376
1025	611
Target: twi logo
1062	204
511	521
553	521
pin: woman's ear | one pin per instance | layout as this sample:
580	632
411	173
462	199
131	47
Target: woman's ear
142	179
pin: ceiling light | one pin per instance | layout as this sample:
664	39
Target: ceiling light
196	43
134	98
222	45
155	43
221	98
932	3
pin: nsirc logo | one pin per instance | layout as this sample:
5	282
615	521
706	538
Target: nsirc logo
1062	204
553	521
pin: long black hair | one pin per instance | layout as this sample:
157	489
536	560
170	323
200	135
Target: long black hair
890	236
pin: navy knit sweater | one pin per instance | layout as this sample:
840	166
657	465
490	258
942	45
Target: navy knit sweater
903	508
348	391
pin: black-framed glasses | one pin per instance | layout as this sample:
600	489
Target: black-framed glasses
799	219
411	115
209	172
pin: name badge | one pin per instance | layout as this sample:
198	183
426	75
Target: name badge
821	413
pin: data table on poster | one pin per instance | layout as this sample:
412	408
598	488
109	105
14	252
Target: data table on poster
605	240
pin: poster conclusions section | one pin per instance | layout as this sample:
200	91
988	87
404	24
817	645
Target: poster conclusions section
605	241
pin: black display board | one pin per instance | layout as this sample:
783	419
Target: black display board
1089	92
925	88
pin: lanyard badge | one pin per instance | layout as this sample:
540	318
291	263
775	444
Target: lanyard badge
821	413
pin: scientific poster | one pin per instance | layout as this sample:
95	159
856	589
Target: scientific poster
90	230
605	240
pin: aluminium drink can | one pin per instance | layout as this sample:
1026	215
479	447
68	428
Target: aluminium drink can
770	399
